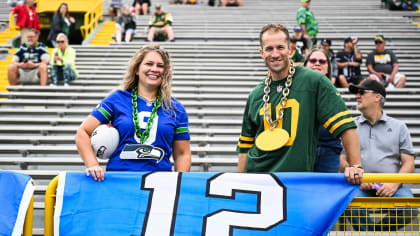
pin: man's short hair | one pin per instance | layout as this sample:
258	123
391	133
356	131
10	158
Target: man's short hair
29	29
276	28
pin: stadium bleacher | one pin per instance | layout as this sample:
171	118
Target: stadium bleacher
216	64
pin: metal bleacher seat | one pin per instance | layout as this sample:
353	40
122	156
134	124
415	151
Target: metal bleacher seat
216	64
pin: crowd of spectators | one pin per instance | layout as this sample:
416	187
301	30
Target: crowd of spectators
406	5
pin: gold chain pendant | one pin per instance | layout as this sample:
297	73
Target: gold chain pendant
274	138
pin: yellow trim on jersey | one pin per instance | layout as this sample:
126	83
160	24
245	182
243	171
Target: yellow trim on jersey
249	139
338	124
335	117
245	145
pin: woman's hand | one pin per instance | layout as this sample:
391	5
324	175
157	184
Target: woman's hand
72	20
96	172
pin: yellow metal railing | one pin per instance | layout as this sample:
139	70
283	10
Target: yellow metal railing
49	207
91	19
29	219
381	215
12	23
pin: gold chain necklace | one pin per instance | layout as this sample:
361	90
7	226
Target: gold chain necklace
275	138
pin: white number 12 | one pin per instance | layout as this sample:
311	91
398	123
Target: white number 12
164	194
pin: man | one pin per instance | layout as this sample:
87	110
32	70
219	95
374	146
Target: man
310	101
348	62
326	45
306	19
382	65
26	15
301	42
30	62
386	147
160	22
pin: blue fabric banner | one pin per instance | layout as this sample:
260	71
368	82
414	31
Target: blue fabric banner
16	191
170	203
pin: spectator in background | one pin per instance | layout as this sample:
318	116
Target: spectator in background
126	25
30	62
306	19
115	8
232	3
386	147
13	3
141	7
301	42
62	22
327	158
64	61
382	64
294	54
409	5
326	45
160	23
348	62
26	16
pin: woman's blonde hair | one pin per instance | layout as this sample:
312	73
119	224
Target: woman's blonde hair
131	79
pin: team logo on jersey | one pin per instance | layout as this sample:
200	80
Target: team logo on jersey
141	152
279	88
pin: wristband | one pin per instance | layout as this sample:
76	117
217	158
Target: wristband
357	166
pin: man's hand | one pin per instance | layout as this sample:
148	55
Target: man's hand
366	186
354	175
380	75
28	65
387	189
306	37
391	79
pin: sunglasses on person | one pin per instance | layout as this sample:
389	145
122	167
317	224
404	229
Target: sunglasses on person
361	92
378	42
61	41
320	61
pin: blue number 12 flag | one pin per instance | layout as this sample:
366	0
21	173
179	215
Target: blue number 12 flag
211	204
16	191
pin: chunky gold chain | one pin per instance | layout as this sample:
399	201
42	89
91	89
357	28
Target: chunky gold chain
283	101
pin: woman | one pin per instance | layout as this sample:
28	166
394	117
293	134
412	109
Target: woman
327	157
145	114
126	25
62	23
64	61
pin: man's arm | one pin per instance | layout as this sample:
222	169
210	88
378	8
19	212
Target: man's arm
407	166
394	71
351	144
357	53
242	162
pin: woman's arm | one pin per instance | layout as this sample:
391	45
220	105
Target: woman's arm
85	150
181	153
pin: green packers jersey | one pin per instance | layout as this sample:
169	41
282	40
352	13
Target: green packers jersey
313	101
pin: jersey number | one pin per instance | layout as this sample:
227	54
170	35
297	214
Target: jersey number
152	136
164	190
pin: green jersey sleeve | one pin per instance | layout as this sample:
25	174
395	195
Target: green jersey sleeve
247	137
332	112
